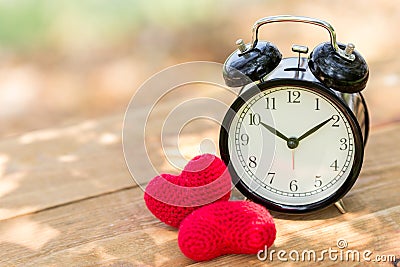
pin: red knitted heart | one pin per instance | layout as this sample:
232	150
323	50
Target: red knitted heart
226	227
205	179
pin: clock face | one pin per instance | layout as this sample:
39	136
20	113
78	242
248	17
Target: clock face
292	146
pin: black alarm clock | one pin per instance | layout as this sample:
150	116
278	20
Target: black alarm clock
294	138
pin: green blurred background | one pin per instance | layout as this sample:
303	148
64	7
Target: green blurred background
64	61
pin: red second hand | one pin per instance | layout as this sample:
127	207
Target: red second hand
293	159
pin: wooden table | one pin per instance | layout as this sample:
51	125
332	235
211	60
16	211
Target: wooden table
67	199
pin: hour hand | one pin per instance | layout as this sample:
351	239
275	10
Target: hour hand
274	131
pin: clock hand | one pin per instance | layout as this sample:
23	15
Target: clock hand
314	129
274	131
292	159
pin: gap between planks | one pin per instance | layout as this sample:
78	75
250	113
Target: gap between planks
71	202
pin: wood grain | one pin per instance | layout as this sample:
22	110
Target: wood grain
98	218
50	167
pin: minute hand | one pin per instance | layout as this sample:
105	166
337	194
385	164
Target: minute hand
274	131
314	129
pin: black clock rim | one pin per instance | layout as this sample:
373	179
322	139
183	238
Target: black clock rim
279	207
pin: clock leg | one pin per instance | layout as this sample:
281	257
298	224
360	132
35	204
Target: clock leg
340	206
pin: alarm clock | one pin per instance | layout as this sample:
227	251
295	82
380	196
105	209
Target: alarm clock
294	138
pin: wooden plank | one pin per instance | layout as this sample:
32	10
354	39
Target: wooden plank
112	228
46	168
117	228
109	228
50	167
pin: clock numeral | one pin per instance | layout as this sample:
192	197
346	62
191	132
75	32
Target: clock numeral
271	176
252	162
317	103
245	139
293	186
334	165
270	103
336	119
294	97
317	181
254	119
343	144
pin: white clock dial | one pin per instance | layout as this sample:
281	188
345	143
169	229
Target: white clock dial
291	145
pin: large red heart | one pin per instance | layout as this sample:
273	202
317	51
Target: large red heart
205	179
226	227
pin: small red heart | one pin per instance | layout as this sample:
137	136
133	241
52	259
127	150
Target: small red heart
205	179
226	227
